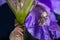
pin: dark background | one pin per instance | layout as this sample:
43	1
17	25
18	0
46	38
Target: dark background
6	22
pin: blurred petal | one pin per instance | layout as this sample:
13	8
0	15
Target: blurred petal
56	6
2	2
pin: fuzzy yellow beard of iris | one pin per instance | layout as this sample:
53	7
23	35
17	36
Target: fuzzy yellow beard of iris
42	21
44	14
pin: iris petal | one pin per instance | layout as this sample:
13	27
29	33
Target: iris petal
42	32
46	2
56	6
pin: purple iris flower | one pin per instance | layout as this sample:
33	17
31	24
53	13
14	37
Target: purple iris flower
41	22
